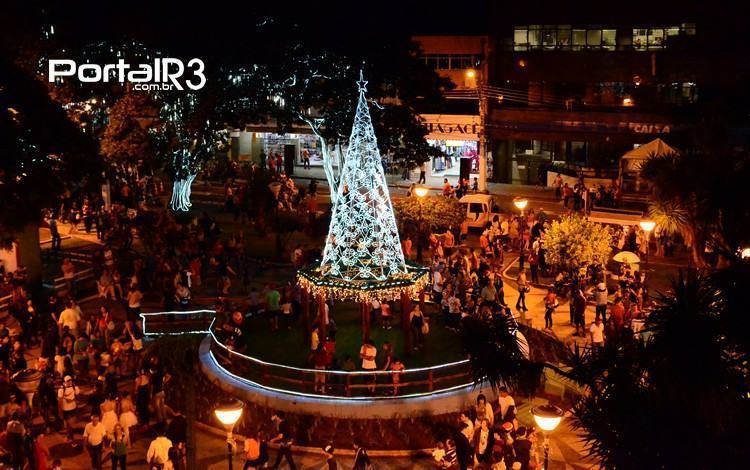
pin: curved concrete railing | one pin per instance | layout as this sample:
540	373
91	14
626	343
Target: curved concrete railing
306	382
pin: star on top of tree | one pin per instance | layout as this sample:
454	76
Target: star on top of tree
362	83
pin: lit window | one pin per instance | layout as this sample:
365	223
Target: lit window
534	37
609	39
579	39
656	38
549	37
640	38
520	39
563	37
594	38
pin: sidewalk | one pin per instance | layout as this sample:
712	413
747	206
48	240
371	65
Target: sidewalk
561	328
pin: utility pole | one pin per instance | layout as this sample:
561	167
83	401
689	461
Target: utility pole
482	97
482	70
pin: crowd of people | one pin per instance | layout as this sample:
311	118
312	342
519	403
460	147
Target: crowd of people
85	358
489	436
583	197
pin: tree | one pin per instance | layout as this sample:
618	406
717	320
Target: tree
574	242
419	218
42	154
126	134
703	193
496	354
678	399
184	141
435	213
301	81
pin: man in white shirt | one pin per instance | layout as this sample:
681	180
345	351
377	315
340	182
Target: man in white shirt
158	450
67	404
597	333
454	310
368	352
70	317
93	436
507	410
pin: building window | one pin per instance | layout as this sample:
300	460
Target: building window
609	39
520	39
593	38
564	37
658	37
549	37
450	61
579	39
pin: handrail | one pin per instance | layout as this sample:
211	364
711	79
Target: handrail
303	369
419	381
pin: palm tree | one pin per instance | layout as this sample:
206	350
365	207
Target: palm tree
701	194
677	400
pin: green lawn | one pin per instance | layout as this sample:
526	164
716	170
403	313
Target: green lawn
288	347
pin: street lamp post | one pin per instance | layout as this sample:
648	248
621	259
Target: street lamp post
521	203
477	77
421	192
547	417
228	413
647	226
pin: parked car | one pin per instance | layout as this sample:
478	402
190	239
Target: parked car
480	209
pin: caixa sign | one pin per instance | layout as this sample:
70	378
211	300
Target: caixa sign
164	73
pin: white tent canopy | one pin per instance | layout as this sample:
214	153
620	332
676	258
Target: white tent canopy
631	160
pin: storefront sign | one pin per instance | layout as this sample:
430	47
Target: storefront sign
452	126
624	127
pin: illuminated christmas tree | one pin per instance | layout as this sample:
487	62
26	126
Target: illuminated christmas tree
363	241
363	256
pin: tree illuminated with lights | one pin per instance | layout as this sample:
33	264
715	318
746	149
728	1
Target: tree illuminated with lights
185	140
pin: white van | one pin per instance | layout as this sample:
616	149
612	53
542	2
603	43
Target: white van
478	209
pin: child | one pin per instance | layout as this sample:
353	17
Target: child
397	367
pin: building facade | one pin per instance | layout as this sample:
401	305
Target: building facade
573	89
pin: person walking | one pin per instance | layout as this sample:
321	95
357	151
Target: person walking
416	321
93	436
120	442
550	304
256	451
361	459
66	399
600	297
284	439
579	309
422	173
158	451
596	330
523	288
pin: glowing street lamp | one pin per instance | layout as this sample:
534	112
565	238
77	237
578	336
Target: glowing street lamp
421	192
647	226
547	417
521	203
228	413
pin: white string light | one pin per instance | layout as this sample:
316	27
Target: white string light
363	241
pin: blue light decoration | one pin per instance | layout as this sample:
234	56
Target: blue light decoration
188	313
186	148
